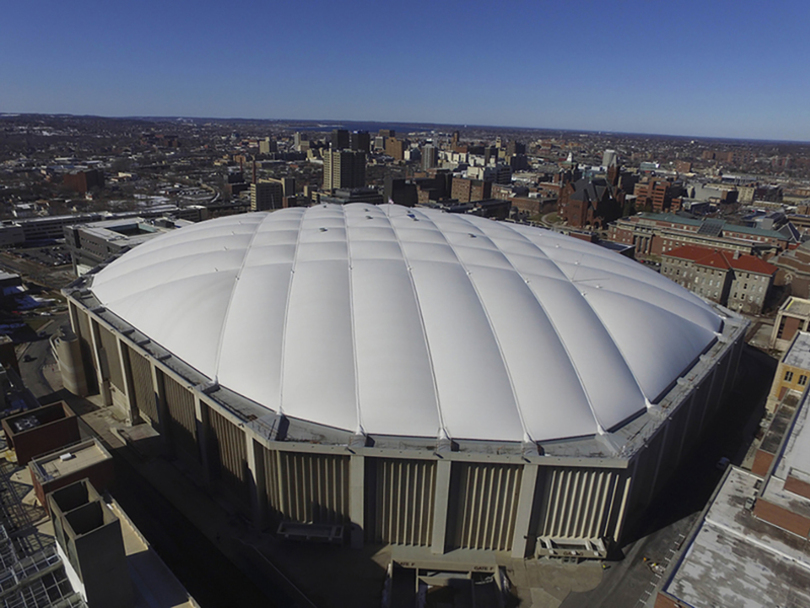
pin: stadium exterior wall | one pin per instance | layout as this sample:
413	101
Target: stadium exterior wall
529	502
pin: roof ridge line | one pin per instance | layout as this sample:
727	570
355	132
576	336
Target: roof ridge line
526	433
231	296
647	402
360	430
442	427
554	325
286	317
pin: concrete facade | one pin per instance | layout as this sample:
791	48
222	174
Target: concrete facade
793	316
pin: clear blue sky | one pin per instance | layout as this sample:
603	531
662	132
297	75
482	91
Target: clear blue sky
710	68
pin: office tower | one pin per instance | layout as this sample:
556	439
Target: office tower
267	146
340	139
610	157
399	191
388	133
360	140
301	140
515	147
344	169
266	195
430	157
395	148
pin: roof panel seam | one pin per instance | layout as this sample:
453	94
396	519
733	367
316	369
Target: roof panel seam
349	270
234	287
286	318
559	335
607	331
442	428
518	409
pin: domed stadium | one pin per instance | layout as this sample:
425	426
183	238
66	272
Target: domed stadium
411	377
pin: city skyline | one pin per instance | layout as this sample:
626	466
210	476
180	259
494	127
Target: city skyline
720	70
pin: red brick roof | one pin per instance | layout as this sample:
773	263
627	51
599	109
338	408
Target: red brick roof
722	259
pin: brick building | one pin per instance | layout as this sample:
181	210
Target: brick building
587	203
656	233
395	148
741	282
793	316
658	194
793	371
82	181
465	190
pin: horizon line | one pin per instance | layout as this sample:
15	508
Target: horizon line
399	122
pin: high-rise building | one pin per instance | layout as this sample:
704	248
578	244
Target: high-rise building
360	140
515	147
610	157
266	195
430	157
340	139
82	181
301	141
344	169
399	191
395	148
267	146
388	133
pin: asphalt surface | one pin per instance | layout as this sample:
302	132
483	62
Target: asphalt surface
36	355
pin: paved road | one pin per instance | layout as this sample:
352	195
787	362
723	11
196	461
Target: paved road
39	353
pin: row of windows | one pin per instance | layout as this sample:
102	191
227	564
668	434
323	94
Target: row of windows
802	378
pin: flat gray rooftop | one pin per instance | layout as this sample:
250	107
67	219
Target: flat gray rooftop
799	353
738	560
797	306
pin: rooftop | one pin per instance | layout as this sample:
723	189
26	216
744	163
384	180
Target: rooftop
798	355
715	258
796	306
71	459
713	226
767	562
485	327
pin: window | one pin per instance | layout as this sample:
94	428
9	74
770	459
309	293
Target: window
802	380
788	376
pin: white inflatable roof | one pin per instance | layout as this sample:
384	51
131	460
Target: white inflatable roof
392	321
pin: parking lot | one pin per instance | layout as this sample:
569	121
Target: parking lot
47	255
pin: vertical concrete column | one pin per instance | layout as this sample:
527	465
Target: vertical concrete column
357	494
132	413
256	481
659	459
73	314
528	485
444	473
159	389
623	506
708	408
103	383
203	432
687	411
